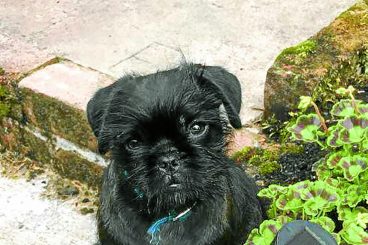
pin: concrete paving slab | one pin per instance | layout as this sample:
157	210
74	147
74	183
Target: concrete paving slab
17	55
67	82
242	36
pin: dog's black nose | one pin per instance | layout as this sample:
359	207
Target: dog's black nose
168	163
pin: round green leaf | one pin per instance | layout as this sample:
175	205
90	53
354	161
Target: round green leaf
353	129
304	103
354	234
326	222
306	128
344	108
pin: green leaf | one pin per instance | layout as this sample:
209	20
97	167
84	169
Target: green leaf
365	144
333	136
344	108
272	191
347	214
326	222
363	109
283	219
353	166
334	159
351	89
337	237
265	234
254	238
304	103
323	172
354	234
269	229
353	129
289	202
362	220
306	128
354	194
319	196
341	91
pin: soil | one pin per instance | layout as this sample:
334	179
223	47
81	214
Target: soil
294	167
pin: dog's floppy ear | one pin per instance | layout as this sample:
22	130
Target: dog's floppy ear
96	112
225	85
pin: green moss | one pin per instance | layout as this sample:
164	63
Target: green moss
301	50
55	117
4	102
291	148
269	168
245	154
2	71
67	164
265	160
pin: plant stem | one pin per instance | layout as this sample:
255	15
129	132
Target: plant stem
353	102
323	122
320	144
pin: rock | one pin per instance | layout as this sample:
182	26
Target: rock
336	56
68	191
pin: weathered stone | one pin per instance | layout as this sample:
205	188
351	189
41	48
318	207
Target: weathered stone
55	117
55	98
330	58
69	164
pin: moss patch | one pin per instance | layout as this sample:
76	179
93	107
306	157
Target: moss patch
14	137
55	117
4	104
299	51
265	161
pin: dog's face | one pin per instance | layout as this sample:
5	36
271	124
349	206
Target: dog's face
167	132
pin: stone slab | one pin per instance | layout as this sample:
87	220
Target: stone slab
67	82
68	163
243	36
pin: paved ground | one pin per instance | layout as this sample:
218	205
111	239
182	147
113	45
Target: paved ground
117	36
27	218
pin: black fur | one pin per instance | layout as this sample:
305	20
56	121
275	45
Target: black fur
151	124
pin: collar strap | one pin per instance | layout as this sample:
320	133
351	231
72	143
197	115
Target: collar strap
154	229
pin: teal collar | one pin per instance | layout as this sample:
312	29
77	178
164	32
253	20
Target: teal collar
154	229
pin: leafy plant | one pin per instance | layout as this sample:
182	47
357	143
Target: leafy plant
339	196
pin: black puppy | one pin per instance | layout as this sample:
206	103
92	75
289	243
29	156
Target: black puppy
169	181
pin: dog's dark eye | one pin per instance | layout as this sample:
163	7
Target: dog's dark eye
133	144
197	129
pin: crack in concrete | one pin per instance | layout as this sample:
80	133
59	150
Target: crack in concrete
134	55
